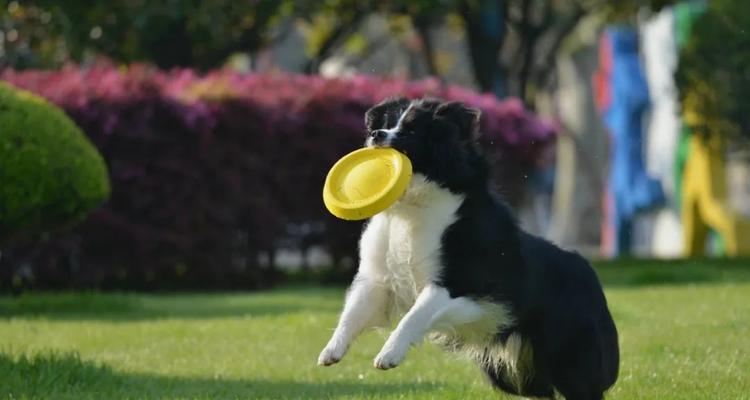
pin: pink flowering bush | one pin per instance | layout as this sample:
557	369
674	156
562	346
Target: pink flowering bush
210	171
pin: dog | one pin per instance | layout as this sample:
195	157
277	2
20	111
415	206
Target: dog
449	260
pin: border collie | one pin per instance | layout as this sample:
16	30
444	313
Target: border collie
448	260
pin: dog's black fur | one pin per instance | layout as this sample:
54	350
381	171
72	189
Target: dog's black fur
554	295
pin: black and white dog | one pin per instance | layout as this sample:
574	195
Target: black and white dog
449	260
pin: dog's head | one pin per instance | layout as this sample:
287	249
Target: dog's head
438	137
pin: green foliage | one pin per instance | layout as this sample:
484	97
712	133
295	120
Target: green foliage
50	174
30	36
712	77
265	345
200	33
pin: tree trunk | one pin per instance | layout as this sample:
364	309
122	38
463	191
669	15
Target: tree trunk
485	30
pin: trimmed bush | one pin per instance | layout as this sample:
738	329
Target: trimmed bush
50	174
212	173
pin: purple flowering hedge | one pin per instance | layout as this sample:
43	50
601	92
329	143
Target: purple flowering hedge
212	173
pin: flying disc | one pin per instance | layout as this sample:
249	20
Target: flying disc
366	182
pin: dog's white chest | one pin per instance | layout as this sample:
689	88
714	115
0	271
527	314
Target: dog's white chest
403	244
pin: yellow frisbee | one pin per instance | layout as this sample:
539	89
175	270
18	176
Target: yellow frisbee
366	182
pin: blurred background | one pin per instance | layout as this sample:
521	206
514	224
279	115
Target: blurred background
183	144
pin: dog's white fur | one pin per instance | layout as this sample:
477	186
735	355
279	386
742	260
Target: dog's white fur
399	261
391	133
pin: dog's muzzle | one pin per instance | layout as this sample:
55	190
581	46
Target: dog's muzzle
379	137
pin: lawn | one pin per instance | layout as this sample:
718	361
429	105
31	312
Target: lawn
685	334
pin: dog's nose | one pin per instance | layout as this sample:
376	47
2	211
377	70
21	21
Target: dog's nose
378	135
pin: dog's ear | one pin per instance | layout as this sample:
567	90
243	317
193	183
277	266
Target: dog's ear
463	117
385	114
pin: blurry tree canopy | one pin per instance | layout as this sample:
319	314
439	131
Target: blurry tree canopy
712	75
512	44
201	33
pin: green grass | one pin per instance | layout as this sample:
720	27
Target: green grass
685	334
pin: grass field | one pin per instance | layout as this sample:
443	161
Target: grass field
685	334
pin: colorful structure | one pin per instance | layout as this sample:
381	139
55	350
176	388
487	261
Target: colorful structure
662	230
622	97
684	171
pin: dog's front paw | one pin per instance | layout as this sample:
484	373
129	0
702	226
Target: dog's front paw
331	354
389	357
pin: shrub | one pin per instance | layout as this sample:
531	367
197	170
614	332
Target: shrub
51	175
211	172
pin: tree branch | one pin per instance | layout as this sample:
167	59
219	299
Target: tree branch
566	28
422	26
342	31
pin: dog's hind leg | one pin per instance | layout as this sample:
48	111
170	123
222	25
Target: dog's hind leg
434	309
513	367
577	371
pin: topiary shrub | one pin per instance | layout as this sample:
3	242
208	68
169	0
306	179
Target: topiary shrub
50	174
